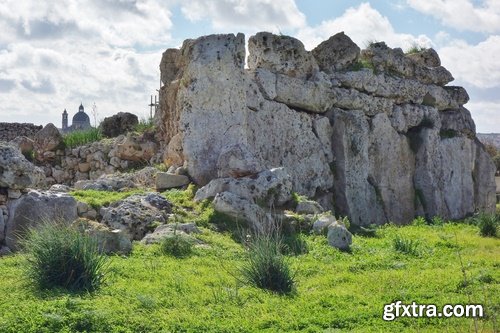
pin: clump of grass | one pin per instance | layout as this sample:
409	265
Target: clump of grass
266	267
362	64
488	224
419	221
97	199
177	245
144	124
59	255
80	138
406	246
415	48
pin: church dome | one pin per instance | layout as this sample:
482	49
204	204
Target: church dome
81	117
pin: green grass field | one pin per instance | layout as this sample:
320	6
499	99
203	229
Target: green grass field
335	291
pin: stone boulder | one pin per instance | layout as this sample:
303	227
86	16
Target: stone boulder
136	214
165	181
321	224
309	207
46	141
280	54
166	230
109	241
25	145
16	172
135	149
120	123
339	237
269	188
36	207
112	182
336	53
242	209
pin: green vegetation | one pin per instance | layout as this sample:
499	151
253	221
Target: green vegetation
362	64
59	255
79	138
265	266
488	224
177	245
144	124
415	48
334	290
97	199
406	246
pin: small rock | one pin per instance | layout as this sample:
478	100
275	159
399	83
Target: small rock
166	230
109	241
322	223
81	207
309	207
339	237
59	188
166	180
14	194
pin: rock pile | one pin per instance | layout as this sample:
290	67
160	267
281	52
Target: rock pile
377	130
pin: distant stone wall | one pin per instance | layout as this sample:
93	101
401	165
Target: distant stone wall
9	131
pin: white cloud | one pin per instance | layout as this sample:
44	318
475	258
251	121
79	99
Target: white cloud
362	24
55	54
485	115
478	65
462	14
254	15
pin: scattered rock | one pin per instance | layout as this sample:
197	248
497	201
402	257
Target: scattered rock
320	225
136	214
165	180
120	123
60	188
36	207
309	207
268	188
109	241
166	230
46	141
339	237
16	172
242	209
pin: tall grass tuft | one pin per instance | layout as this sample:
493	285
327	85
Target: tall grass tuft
59	255
488	224
144	125
178	245
266	267
406	246
80	138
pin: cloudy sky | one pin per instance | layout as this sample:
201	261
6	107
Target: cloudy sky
56	54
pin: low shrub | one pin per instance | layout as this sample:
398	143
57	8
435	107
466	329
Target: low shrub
177	245
80	138
406	246
59	255
266	267
488	224
144	125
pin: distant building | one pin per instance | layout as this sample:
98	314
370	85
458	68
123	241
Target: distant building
81	121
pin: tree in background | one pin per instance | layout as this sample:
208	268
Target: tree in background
495	155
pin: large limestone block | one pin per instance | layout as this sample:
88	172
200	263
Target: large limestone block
237	161
34	208
313	96
284	137
392	165
16	172
280	54
269	188
384	58
336	53
354	195
242	209
484	179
